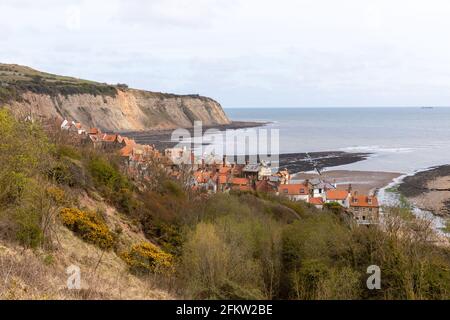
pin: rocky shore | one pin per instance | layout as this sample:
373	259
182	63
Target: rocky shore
301	162
161	138
429	190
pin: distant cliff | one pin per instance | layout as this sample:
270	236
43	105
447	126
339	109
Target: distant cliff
117	108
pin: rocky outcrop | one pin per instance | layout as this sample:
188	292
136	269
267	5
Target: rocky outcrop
128	110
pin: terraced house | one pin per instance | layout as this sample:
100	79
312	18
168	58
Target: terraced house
365	209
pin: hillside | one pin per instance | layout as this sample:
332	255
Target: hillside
63	204
110	107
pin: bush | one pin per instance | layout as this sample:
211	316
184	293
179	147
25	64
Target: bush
334	207
58	195
146	257
29	232
68	151
106	175
89	226
112	184
218	263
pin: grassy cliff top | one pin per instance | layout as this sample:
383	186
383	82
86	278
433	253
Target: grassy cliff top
11	73
16	80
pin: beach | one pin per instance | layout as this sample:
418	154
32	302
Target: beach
161	139
429	190
362	181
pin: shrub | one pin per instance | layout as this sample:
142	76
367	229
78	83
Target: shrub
146	257
68	151
29	232
218	263
89	226
334	207
107	176
58	195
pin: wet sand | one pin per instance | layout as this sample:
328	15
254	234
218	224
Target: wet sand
362	181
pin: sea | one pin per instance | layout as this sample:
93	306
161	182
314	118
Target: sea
401	140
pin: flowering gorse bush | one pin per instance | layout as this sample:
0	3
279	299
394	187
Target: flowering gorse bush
146	257
89	226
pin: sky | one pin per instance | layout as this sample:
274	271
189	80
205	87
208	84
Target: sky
243	53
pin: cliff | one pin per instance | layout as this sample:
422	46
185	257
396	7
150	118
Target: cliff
110	107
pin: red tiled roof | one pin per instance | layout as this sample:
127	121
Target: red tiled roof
223	170
239	181
126	151
244	188
293	189
109	137
337	194
202	177
222	179
316	201
364	201
94	131
129	141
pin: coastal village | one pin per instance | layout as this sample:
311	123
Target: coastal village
212	176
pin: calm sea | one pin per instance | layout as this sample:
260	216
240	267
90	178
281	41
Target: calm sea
401	139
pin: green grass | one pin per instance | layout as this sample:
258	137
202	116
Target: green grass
446	229
392	189
15	80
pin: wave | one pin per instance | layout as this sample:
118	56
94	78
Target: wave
379	149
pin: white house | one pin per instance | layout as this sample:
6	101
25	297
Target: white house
295	191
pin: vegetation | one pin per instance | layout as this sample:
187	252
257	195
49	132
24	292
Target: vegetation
16	80
446	228
146	257
230	245
89	226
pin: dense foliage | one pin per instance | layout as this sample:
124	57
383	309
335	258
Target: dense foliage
89	226
232	246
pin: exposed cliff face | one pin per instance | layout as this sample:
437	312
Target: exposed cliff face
130	110
112	108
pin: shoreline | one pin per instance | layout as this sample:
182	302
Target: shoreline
391	196
367	182
301	162
421	188
161	137
429	190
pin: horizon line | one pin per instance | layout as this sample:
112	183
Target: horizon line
329	107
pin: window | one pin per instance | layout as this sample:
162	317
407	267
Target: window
364	217
285	190
302	190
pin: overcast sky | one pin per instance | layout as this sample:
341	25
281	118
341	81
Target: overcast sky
243	53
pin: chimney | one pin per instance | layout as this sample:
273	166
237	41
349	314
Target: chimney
350	188
354	199
224	160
